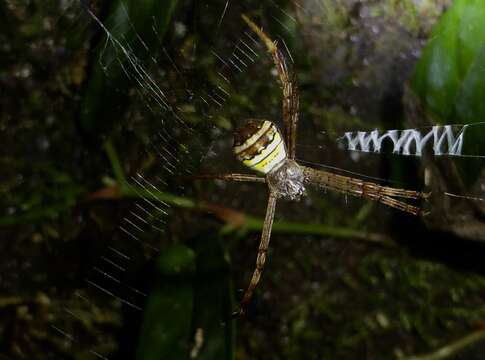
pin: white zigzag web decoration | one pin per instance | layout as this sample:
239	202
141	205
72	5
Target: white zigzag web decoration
409	141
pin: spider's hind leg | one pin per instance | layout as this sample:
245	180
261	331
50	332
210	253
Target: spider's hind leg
261	257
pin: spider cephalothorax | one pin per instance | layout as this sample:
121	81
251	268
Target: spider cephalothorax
287	180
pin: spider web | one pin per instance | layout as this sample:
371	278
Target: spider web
182	113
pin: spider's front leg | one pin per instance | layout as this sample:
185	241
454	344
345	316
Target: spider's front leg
230	177
261	257
289	86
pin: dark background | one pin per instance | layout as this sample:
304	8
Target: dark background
345	278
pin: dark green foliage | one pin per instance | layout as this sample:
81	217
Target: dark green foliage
449	76
189	307
213	295
106	96
323	294
168	314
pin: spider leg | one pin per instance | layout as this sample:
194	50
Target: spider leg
292	119
400	205
394	192
261	257
290	101
367	190
230	177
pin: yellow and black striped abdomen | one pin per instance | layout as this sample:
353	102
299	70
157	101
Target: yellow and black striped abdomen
259	145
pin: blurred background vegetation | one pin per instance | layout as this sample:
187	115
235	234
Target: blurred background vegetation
345	279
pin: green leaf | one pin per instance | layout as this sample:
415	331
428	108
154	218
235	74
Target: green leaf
128	22
213	300
470	104
188	312
447	78
178	260
450	81
167	322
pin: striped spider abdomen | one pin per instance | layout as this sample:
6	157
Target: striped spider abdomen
260	146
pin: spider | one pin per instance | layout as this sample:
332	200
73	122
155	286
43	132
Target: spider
261	146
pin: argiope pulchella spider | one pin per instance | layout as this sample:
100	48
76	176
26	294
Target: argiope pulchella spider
260	146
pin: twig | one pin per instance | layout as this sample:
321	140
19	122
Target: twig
237	219
234	218
452	348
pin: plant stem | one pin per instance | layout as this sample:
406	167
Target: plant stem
115	162
233	218
452	348
252	223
